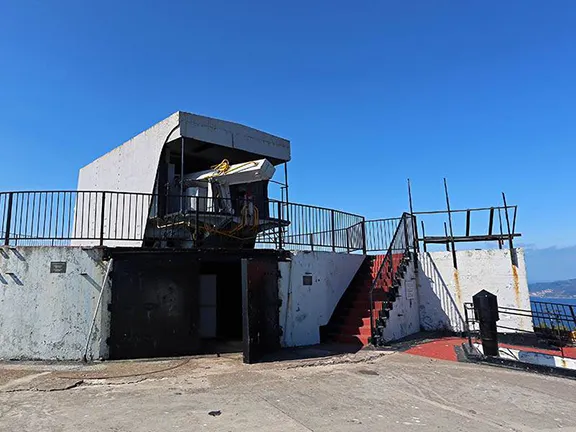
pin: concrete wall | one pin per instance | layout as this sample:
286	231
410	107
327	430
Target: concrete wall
404	318
46	315
132	167
307	307
443	291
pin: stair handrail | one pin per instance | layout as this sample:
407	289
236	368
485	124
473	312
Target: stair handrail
388	260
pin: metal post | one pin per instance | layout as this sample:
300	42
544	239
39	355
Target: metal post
423	236
196	221
450	223
286	180
8	219
446	234
510	241
96	309
491	223
486	312
510	237
405	222
364	246
182	176
413	218
333	223
102	219
279	225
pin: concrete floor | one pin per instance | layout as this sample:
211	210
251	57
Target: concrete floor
368	390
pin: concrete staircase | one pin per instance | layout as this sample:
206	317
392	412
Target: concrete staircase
350	322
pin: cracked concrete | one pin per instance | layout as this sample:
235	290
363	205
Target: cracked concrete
369	390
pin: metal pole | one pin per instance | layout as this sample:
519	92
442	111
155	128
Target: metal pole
510	242
510	238
196	220
286	180
450	223
423	236
279	225
182	176
102	219
413	218
333	223
364	246
84	358
8	219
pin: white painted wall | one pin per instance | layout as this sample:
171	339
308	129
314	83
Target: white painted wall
307	307
47	315
443	291
404	318
132	167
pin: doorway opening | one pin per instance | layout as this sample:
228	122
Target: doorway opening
220	307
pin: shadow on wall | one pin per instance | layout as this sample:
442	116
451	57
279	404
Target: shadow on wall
438	309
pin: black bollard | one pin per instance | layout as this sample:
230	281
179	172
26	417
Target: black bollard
486	313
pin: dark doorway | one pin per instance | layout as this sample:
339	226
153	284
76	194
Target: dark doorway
260	304
154	297
170	303
220	303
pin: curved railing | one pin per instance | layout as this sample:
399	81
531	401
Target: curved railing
109	218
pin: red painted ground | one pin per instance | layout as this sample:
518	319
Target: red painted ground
444	349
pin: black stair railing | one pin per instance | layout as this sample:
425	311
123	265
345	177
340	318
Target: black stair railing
389	276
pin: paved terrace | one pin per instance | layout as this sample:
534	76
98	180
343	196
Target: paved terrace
367	390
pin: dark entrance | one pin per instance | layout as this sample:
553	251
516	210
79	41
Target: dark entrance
170	303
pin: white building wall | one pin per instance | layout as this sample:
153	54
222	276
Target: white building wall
47	315
404	318
132	167
443	290
307	307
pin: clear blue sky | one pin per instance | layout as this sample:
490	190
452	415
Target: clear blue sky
370	93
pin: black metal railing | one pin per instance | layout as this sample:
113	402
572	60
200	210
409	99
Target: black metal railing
127	218
379	233
548	315
553	323
390	272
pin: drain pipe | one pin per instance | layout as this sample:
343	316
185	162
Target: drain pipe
84	357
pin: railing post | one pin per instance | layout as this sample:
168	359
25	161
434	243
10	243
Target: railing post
102	219
279	225
364	248
406	245
196	222
8	219
333	223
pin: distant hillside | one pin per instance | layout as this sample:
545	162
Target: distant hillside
559	289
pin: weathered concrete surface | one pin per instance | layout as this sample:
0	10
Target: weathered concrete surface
404	319
364	391
305	308
443	290
47	315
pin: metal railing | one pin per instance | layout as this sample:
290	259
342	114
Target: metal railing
379	233
391	269
128	218
553	315
553	323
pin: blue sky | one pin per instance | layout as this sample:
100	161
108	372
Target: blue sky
370	93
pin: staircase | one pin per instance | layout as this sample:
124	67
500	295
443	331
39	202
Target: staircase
350	322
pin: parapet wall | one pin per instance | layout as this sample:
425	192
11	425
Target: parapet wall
444	290
47	300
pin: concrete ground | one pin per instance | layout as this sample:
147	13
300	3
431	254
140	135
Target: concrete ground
367	390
